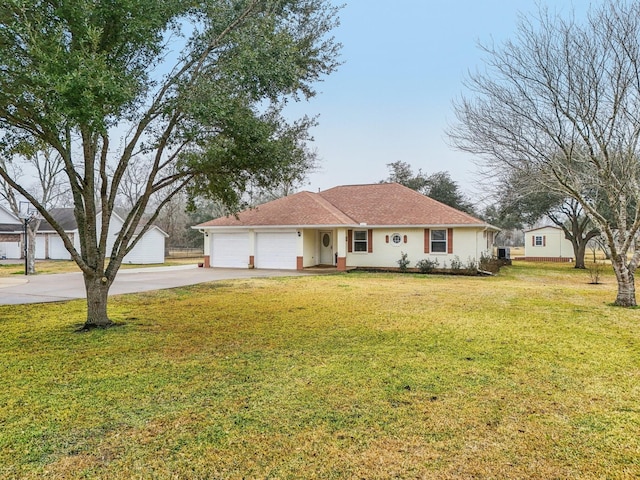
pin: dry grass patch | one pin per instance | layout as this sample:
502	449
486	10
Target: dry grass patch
69	266
530	374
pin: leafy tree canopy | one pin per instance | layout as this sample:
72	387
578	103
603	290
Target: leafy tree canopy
191	89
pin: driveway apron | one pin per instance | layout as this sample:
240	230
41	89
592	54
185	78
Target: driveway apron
70	286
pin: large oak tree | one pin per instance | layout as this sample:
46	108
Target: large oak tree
192	89
561	103
520	196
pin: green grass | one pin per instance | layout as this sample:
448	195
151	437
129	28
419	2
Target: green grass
531	374
68	266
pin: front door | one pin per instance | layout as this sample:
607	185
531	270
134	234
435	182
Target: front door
326	248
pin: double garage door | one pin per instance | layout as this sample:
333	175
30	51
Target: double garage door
56	249
272	250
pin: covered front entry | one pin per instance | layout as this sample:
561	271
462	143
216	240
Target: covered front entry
230	250
276	250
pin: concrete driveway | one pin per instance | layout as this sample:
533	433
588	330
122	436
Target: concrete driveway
69	286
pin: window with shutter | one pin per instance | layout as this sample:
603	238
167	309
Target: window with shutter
439	241
360	241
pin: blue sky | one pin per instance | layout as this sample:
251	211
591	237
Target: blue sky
404	63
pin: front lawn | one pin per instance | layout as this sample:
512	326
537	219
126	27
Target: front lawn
531	374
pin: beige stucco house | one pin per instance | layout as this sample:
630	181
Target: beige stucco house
346	226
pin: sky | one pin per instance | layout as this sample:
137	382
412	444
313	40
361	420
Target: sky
404	64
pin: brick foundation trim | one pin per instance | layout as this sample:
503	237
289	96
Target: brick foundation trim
207	261
342	264
546	259
10	237
299	263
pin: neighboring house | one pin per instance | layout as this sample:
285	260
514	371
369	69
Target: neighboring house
11	228
547	244
346	226
49	245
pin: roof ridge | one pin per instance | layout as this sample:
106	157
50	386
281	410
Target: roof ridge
373	204
330	207
457	210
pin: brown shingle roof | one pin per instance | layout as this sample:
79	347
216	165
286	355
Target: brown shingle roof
375	204
394	204
303	208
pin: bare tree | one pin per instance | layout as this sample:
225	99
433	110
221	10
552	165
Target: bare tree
174	220
561	103
133	183
46	166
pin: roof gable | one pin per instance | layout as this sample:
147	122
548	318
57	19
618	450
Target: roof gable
350	205
545	227
8	217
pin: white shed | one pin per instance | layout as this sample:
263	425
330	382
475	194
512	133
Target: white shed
10	234
547	244
149	249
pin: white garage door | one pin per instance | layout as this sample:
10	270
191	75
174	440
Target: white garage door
40	246
56	248
276	250
230	250
10	250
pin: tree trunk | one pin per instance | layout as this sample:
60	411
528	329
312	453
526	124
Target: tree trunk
626	284
31	250
580	248
97	292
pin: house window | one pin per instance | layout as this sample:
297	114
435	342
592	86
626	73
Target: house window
396	239
538	241
439	241
360	241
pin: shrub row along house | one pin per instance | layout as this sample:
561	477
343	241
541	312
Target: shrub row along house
346	226
149	250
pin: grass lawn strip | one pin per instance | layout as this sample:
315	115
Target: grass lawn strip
531	374
69	266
